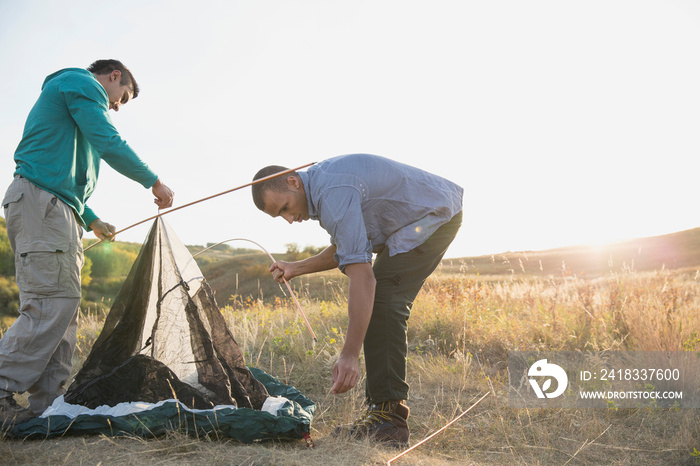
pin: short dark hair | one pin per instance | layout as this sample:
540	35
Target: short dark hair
277	184
107	66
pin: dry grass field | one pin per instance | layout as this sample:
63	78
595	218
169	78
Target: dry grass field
461	330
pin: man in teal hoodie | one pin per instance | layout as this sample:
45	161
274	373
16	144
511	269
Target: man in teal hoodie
67	134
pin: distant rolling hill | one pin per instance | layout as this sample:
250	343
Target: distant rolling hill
673	251
244	272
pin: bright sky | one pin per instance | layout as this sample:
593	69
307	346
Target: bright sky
566	122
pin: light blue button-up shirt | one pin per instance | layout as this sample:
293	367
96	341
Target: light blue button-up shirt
366	202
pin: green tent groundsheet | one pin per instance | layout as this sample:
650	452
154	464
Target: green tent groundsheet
291	421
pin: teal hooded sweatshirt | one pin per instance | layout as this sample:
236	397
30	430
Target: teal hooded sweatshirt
67	133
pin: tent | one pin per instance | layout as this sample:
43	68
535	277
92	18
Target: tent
165	359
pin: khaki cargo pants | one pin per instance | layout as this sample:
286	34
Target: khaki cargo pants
36	351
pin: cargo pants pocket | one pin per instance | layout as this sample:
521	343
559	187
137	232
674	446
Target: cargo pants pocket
43	273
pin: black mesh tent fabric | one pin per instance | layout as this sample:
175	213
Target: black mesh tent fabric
167	311
165	339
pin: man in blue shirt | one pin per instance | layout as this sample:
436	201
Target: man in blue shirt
370	205
67	133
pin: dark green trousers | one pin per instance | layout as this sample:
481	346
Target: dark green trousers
399	279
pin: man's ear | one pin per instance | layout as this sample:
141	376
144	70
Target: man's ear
293	182
114	75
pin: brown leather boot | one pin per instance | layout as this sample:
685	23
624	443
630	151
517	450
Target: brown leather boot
382	422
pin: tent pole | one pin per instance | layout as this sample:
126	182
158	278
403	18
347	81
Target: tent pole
274	175
289	288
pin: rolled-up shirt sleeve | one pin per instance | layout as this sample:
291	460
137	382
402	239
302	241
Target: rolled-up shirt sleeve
342	214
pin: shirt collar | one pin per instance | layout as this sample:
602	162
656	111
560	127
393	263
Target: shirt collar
313	212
